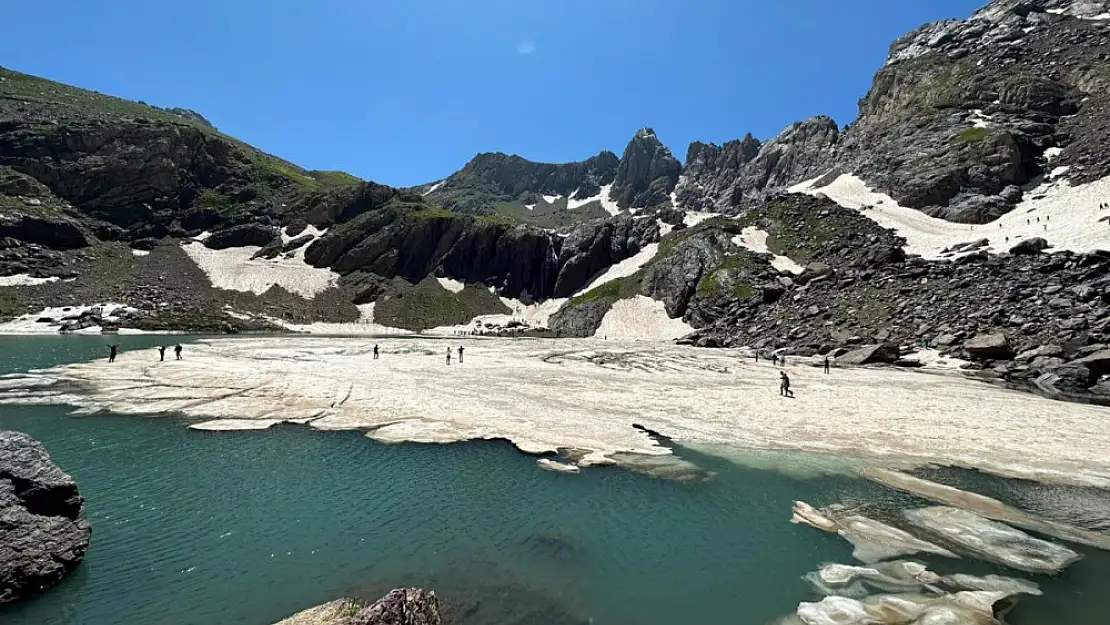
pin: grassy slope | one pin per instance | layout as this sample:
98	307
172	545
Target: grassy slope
428	305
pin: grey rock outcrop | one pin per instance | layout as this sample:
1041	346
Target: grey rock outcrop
43	530
403	606
741	172
647	173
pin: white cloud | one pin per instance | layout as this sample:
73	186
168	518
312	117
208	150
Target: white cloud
526	47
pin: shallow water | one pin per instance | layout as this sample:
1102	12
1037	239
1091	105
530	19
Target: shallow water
247	527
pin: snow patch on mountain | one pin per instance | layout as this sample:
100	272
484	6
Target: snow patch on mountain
1068	217
755	239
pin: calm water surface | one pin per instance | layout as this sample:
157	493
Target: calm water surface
204	528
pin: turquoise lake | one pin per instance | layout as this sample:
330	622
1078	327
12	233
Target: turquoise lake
212	528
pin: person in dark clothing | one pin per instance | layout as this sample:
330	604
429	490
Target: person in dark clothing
774	359
375	352
757	355
826	365
177	351
784	385
448	355
460	354
112	352
782	360
161	353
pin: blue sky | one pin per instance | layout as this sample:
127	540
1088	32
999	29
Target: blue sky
406	91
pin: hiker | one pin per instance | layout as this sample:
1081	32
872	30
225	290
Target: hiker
757	355
774	359
782	360
162	353
448	356
177	351
460	354
112	352
784	385
375	352
826	365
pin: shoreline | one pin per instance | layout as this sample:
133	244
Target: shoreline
688	395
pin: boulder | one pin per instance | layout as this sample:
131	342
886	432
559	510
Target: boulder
815	271
994	346
1036	245
872	354
1097	363
43	530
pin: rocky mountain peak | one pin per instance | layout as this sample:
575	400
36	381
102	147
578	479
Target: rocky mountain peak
647	172
722	177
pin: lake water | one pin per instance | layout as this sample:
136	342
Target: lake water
193	528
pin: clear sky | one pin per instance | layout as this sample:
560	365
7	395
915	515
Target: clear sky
407	91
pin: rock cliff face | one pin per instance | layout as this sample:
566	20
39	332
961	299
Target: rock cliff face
720	178
43	531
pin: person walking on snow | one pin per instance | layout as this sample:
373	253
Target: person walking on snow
375	352
449	356
177	351
112	352
784	385
460	354
826	365
162	353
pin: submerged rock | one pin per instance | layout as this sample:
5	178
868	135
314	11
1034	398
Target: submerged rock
993	541
404	606
43	530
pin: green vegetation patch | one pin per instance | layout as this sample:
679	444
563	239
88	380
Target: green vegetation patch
621	288
426	305
972	134
722	279
552	216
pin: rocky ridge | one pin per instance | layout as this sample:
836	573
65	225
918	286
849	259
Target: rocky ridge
43	532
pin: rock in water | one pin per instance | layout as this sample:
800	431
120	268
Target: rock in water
43	530
403	606
993	541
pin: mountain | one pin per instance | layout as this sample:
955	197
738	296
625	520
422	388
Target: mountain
961	209
553	195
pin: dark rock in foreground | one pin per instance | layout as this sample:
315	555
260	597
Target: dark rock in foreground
43	530
404	606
